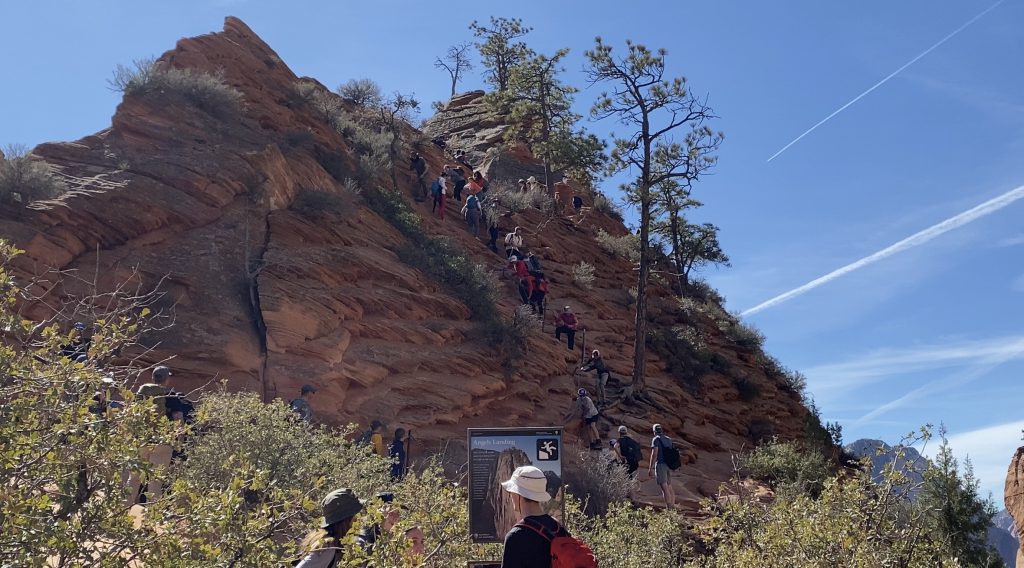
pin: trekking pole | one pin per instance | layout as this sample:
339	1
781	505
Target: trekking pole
583	347
543	313
408	454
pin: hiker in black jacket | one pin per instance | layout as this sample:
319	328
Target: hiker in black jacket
627	451
419	166
596	363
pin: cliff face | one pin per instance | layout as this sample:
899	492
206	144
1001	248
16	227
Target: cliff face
1013	494
268	297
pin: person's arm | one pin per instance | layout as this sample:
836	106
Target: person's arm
513	555
654	459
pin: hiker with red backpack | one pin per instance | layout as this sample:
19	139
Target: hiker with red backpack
538	540
537	286
664	458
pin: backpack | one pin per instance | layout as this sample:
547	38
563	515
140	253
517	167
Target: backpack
436	188
670	455
630	450
366	438
566	550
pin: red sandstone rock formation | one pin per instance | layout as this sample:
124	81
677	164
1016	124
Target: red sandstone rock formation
1013	494
206	200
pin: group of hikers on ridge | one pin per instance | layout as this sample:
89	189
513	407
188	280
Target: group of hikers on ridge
533	537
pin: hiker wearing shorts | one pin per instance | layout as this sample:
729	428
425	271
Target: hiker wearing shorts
662	473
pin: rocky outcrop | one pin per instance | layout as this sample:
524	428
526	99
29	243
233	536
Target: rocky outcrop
1013	494
268	296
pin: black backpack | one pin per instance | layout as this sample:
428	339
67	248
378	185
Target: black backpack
670	455
366	438
630	450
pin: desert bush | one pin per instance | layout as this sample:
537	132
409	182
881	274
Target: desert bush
627	246
597	480
743	334
787	466
699	288
507	197
607	206
24	179
852	522
747	389
296	137
206	91
627	536
362	92
684	362
583	275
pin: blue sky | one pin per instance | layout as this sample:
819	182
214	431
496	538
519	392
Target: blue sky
930	334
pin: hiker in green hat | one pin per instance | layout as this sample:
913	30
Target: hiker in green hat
323	547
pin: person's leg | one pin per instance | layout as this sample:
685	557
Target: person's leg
593	431
558	332
602	381
160	458
571	334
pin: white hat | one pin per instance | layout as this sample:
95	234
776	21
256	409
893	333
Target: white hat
529	482
623	430
513	258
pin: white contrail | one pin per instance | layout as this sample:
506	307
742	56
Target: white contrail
919	238
889	76
988	365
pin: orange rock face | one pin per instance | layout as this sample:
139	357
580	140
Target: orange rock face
205	202
1013	494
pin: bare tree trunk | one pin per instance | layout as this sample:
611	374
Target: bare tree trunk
640	328
394	157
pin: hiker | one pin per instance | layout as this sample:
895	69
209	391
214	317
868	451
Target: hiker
78	350
566	323
537	536
588	414
439	142
513	242
532	183
300	406
458	178
437	191
658	465
522	185
472	211
534	261
419	166
480	180
397	453
627	451
519	275
577	204
158	455
460	157
538	287
323	547
492	231
441	195
596	363
374	438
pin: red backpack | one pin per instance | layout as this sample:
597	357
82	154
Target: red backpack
566	551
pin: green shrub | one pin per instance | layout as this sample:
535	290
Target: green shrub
24	179
787	466
583	275
626	246
684	362
607	206
628	536
206	91
699	288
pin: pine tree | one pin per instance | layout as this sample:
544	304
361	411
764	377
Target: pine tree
656	111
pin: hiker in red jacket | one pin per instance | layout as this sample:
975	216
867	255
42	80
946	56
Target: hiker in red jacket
566	323
520	273
537	286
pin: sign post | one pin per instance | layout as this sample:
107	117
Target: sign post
494	453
